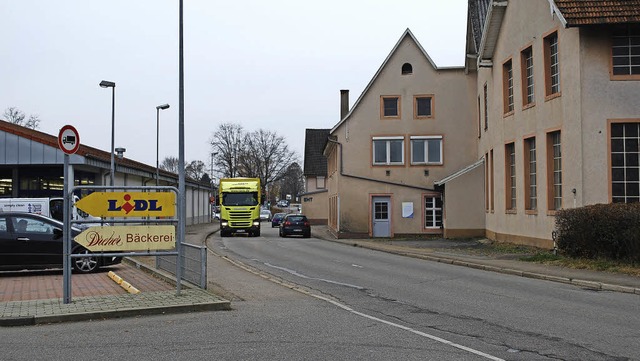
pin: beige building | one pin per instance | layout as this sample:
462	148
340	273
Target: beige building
544	115
558	109
412	125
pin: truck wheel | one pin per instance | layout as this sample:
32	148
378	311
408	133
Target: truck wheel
257	233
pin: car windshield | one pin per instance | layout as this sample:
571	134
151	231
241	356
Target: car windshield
240	199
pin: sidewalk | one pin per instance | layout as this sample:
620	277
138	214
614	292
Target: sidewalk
158	295
458	253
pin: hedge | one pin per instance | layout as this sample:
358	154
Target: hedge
600	231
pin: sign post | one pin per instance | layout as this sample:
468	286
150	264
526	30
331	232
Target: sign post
69	142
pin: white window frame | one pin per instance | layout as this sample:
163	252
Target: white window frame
387	142
425	138
432	213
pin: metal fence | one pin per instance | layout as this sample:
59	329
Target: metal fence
194	264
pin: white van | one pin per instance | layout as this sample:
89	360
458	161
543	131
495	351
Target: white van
49	207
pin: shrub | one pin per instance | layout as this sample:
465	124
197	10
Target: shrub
610	231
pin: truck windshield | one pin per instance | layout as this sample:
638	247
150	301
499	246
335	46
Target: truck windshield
240	199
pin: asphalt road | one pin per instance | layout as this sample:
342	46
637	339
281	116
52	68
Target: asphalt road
487	314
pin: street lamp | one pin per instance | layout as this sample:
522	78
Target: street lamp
163	107
112	85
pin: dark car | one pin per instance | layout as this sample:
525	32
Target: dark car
276	219
295	224
32	241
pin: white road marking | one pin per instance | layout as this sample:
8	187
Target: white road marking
351	310
419	333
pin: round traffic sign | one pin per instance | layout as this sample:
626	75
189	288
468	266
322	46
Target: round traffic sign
68	139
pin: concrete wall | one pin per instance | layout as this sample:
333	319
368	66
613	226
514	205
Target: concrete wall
465	216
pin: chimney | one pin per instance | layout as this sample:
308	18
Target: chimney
344	103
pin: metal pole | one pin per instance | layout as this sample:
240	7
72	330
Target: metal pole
66	242
157	146
181	175
113	129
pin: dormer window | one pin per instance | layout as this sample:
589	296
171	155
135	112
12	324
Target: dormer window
407	69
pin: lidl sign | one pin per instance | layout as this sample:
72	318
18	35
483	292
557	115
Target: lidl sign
129	204
128	238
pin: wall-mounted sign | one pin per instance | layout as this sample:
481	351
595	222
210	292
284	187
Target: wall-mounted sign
407	209
129	204
128	238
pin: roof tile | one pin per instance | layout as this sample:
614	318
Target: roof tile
594	12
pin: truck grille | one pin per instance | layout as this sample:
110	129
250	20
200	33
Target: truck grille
240	219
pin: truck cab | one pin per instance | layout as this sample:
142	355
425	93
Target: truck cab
240	200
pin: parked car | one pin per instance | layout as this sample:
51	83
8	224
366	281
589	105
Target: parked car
216	212
32	241
295	224
265	215
276	219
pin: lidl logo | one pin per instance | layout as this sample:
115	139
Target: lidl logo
129	204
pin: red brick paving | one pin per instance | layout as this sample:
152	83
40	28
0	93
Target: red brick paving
36	285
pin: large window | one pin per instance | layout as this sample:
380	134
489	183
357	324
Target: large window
554	171
492	184
390	107
486	107
510	179
526	65
432	212
625	162
388	150
6	182
423	106
426	149
507	87
625	52
486	182
552	66
530	173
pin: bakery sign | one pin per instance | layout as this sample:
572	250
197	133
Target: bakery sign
128	238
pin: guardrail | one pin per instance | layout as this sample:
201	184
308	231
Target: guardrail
194	264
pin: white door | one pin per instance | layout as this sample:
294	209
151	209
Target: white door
381	216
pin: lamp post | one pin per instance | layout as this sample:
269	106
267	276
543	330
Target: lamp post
163	107
112	85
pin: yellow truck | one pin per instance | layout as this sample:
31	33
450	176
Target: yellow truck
240	200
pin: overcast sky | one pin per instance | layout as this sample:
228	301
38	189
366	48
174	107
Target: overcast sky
276	65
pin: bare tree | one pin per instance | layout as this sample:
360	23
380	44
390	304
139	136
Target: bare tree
170	164
227	146
293	180
266	156
195	169
16	116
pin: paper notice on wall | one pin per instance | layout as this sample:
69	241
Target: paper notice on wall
407	209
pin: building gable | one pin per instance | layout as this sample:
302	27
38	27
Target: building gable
406	35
